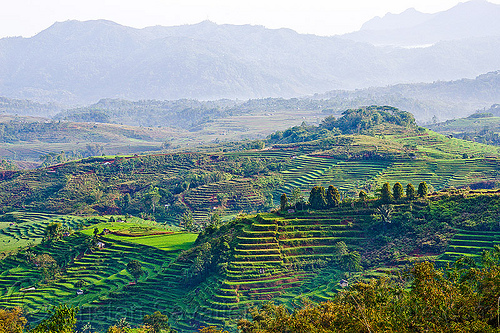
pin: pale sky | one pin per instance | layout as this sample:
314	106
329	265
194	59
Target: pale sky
28	17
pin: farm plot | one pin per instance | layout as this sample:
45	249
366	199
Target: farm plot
235	195
305	172
276	258
20	229
469	244
97	272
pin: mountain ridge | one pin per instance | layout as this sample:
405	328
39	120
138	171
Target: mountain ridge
472	19
75	63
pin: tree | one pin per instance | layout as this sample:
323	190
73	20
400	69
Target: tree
135	269
347	260
283	202
54	231
62	320
317	198
332	196
157	322
422	189
363	196
215	220
351	262
12	321
152	197
296	197
47	265
385	212
411	194
187	221
397	191
385	193
121	326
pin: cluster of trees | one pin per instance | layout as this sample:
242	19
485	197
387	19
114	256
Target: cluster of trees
363	119
487	136
332	197
318	199
460	298
353	121
398	193
183	113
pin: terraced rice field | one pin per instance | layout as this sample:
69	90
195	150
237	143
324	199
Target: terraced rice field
239	194
439	146
306	172
277	258
469	244
20	229
101	272
274	257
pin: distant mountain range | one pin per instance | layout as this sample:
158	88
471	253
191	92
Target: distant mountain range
76	63
473	19
441	99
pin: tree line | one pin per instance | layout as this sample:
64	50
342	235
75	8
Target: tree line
319	198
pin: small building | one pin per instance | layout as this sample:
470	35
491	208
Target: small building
79	292
100	245
343	283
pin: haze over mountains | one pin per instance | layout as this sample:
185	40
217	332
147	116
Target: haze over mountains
473	19
82	62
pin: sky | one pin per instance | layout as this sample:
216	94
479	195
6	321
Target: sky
321	17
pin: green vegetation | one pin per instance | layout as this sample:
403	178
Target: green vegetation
280	220
462	298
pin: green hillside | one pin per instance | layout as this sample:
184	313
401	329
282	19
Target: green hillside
387	147
206	230
290	257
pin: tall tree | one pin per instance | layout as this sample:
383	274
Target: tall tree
385	193
152	197
411	193
296	197
422	189
332	196
187	221
397	191
317	198
283	202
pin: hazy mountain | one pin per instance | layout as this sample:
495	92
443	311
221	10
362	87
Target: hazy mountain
82	62
27	108
443	99
477	18
407	19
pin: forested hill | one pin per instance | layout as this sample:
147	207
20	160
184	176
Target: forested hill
88	61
